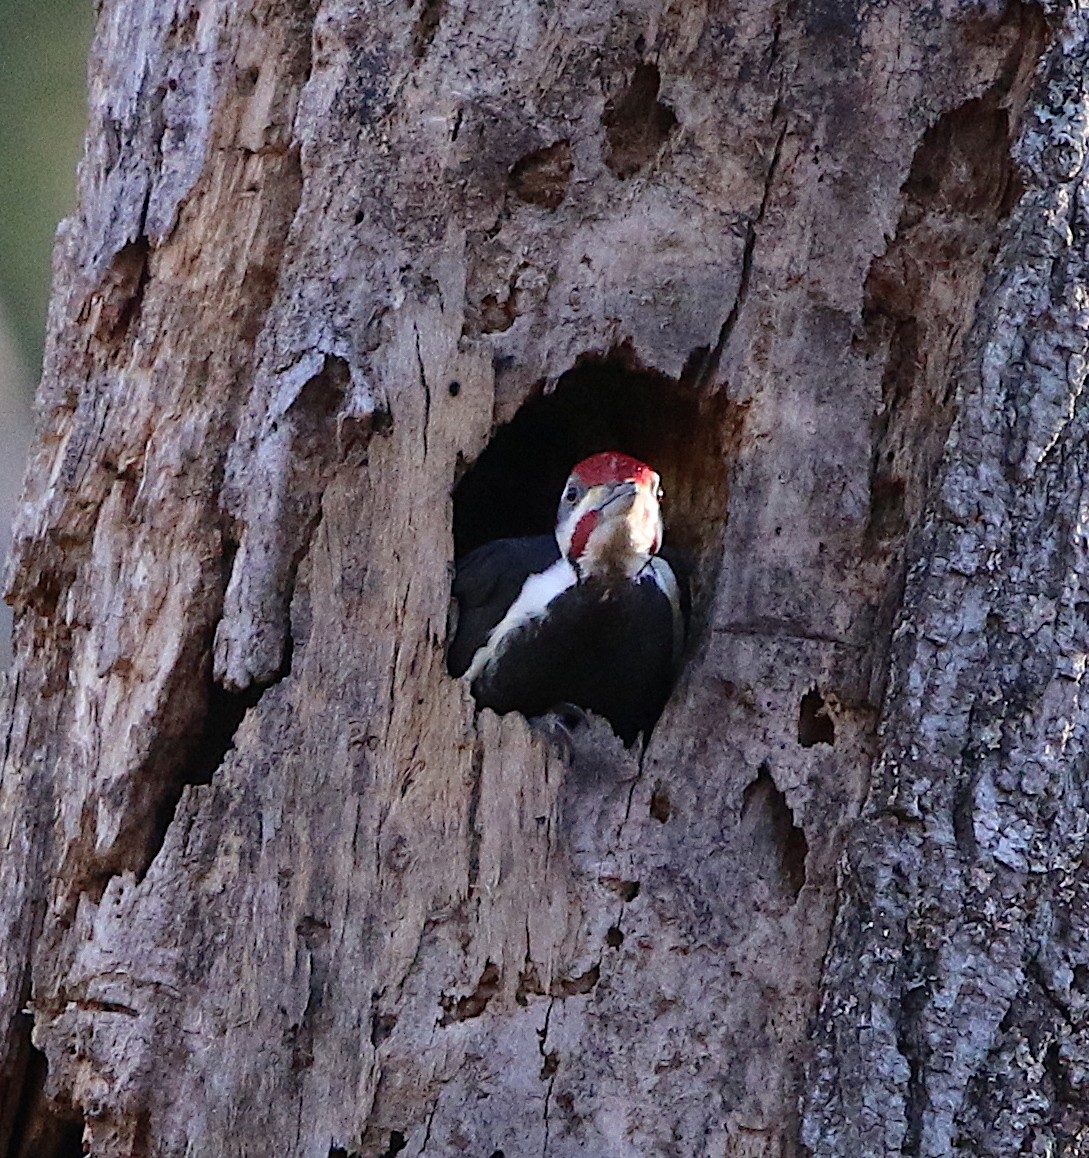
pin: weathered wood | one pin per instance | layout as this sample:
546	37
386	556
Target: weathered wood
955	1006
268	885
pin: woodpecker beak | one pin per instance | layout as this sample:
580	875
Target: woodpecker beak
618	499
608	505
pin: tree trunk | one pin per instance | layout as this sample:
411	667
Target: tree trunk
349	290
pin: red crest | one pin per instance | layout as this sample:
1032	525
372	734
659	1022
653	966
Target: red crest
613	467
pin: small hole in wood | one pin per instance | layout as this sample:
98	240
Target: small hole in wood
464	1008
779	848
660	806
815	725
247	80
627	891
637	123
577	985
541	177
382	1025
496	315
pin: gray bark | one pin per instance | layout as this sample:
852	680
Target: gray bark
955	1002
268	884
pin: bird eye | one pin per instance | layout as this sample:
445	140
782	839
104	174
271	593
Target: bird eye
570	495
661	494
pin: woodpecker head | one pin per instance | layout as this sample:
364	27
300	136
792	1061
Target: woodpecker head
609	522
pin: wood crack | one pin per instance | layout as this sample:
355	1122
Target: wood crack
9	703
542	1043
474	808
427	1128
426	388
713	358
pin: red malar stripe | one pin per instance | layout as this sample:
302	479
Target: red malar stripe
583	530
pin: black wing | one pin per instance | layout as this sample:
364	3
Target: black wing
487	582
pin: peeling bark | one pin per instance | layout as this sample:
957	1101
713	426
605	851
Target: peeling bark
349	290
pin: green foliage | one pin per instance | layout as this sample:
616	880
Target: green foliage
43	63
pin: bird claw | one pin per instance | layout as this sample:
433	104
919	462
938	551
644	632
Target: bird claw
570	715
559	724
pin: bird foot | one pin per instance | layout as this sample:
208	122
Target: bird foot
559	723
570	715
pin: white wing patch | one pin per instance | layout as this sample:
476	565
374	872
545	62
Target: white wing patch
666	582
537	593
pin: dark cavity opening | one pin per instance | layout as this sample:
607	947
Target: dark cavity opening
397	1143
637	123
815	725
42	1128
541	177
660	806
778	848
610	403
204	754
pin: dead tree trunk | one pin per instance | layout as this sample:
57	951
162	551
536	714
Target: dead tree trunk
350	287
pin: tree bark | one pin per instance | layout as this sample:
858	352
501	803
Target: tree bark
955	998
349	288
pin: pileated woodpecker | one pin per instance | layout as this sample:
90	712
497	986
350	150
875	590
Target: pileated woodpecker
593	616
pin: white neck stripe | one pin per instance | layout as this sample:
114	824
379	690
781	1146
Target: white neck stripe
537	593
